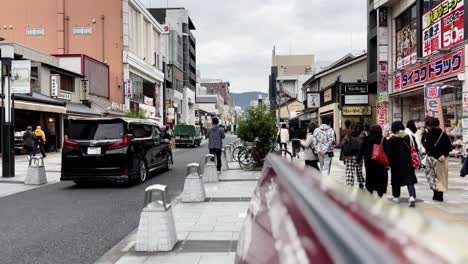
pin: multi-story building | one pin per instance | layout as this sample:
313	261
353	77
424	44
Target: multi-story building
120	33
417	62
180	54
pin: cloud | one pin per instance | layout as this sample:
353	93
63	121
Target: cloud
235	38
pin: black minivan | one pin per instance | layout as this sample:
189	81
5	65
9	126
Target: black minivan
116	149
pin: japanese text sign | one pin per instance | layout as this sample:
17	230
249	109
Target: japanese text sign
439	68
433	98
443	26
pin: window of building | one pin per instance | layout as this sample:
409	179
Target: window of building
67	83
428	4
35	31
82	30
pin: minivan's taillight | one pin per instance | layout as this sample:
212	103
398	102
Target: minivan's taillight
70	144
121	143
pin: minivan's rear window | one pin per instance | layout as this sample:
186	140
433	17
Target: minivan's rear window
96	130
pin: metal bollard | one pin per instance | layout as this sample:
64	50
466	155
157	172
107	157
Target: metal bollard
224	161
36	172
210	173
156	230
229	153
194	190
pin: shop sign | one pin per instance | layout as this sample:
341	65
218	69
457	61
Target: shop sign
168	103
383	17
356	99
20	77
383	77
356	89
357	110
313	100
148	100
157	98
84	90
406	46
150	111
134	106
117	107
65	96
439	68
443	26
54	85
129	89
433	98
397	117
197	120
327	95
382	111
465	129
171	113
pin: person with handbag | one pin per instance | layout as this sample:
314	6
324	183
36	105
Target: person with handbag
350	148
324	139
402	170
376	172
310	155
283	138
438	146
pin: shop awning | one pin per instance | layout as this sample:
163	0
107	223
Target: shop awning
39	102
80	110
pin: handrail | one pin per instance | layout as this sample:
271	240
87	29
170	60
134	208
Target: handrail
345	241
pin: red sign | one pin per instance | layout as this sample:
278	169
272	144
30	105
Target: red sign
382	110
443	26
439	68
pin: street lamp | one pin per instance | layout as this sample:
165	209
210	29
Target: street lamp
8	151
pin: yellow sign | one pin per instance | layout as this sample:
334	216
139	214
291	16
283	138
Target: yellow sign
349	110
327	95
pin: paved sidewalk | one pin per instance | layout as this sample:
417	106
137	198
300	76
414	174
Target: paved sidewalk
207	232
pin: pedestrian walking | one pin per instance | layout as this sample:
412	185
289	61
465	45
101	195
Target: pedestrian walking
344	133
283	136
366	130
39	141
310	154
402	171
376	173
28	139
324	141
350	148
295	141
438	146
215	137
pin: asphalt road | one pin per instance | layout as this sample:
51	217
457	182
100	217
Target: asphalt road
62	223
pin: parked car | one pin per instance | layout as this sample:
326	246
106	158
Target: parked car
187	135
116	149
19	142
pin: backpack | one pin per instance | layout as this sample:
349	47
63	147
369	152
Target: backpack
352	147
37	139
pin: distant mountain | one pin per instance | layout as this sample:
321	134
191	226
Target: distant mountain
243	99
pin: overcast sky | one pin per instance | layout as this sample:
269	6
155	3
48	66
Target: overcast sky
235	38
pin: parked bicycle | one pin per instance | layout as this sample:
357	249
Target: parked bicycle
250	158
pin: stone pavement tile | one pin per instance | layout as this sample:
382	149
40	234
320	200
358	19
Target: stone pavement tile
12	188
241	175
230	189
209	236
175	259
133	260
217	259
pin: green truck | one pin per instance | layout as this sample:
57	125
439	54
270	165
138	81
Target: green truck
187	135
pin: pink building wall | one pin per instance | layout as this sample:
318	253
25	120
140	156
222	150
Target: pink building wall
58	18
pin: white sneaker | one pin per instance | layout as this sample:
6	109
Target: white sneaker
412	202
396	200
218	172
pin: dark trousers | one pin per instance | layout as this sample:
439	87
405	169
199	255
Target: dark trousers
41	148
29	150
217	153
396	191
313	163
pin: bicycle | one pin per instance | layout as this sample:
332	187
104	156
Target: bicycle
251	158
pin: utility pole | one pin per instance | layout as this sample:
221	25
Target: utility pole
8	151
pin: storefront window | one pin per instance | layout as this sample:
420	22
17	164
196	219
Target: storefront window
137	86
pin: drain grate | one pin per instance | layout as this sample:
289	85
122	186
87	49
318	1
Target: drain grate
195	246
228	199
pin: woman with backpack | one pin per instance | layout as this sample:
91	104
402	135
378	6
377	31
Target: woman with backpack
376	173
438	147
350	148
310	156
403	172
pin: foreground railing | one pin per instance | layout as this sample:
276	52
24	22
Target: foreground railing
296	216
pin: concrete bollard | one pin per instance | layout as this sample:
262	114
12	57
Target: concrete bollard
36	172
156	230
209	173
224	161
194	190
229	153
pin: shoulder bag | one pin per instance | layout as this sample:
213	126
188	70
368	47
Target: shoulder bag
429	167
378	154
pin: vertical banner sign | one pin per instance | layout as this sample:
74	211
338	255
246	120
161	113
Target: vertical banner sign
84	90
465	117
443	26
129	89
54	85
157	98
382	79
20	77
433	98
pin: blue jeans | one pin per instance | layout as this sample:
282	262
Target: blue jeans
396	191
41	148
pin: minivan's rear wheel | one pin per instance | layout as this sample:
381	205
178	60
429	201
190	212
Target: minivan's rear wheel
169	163
142	172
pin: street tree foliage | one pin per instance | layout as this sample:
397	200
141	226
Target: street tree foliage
258	122
140	114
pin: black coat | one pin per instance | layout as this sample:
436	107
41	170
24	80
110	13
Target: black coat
399	155
376	173
444	146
